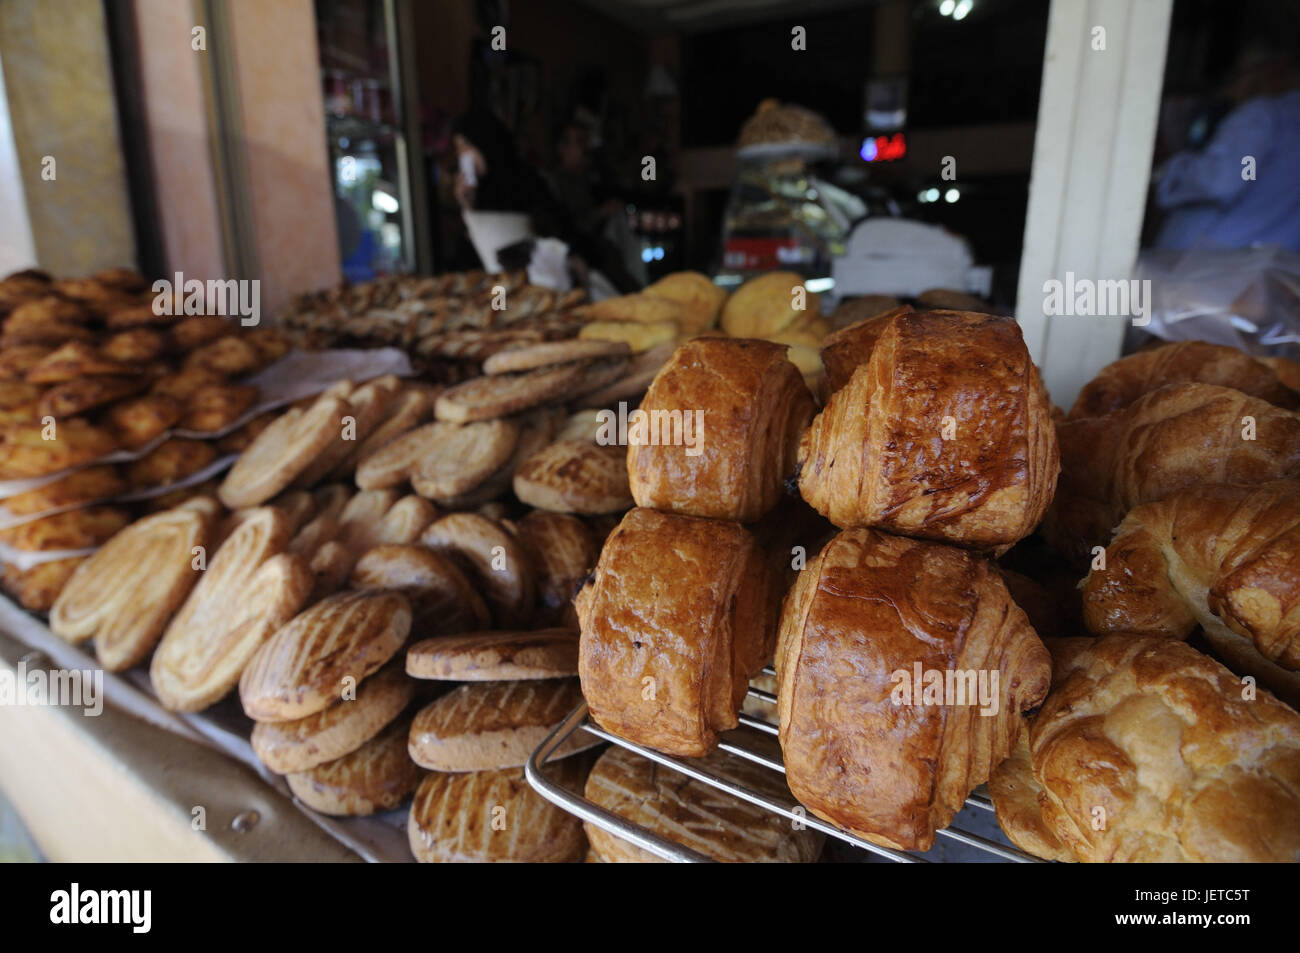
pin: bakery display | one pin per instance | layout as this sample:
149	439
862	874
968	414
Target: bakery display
495	656
1146	750
903	669
677	616
725	421
944	433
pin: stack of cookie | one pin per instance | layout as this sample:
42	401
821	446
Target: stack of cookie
88	368
474	805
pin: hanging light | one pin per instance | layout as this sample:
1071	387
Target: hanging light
963	7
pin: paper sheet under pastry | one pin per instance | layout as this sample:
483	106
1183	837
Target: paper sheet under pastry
379	838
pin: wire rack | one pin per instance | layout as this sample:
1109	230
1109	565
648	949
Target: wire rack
747	743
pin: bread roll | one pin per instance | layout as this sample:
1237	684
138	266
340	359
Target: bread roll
945	433
741	406
1120	383
871	623
1225	558
678	615
1178	436
1147	751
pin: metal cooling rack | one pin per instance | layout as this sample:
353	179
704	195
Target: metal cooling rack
739	744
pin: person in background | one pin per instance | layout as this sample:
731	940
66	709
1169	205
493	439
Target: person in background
1210	196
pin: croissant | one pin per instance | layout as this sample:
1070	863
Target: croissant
1198	362
1226	558
843	351
742	407
1178	436
1148	751
903	667
679	614
945	433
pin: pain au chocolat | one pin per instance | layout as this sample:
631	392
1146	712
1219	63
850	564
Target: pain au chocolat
945	433
903	668
678	615
741	407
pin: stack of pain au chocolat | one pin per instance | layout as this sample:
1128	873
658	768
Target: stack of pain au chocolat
89	368
909	671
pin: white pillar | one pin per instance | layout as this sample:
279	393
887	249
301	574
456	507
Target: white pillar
17	246
1096	130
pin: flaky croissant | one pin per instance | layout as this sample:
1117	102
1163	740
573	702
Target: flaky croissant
903	669
1182	362
1226	558
742	407
1178	436
1148	751
677	617
945	433
843	351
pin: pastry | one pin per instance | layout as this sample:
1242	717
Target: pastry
1148	751
493	559
136	346
170	461
197	330
76	361
72	529
125	594
678	615
561	550
1225	558
282	451
183	385
500	395
634	308
24	451
536	430
290	746
17	360
231	356
1120	383
463	457
767	304
723	421
79	486
250	588
75	397
700	299
637	376
140	420
638	336
1178	436
242	437
495	656
408	410
528	357
442	599
378	776
494	817
903	670
952	300
362	518
37	588
217	406
486	726
945	433
574	476
322	653
844	351
1014	791
694	814
368	404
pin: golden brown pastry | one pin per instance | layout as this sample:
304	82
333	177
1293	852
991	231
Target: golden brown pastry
1148	751
1015	793
486	726
184	384
79	486
721	430
75	397
574	476
369	403
378	776
135	346
1225	558
767	304
17	360
845	350
700	298
904	667
125	594
562	550
193	332
694	814
282	451
452	458
678	615
37	588
232	356
1120	383
495	817
945	433
138	420
170	461
24	451
217	406
1287	371
495	656
319	657
75	361
249	589
499	395
1178	436
242	437
72	529
442	599
493	558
